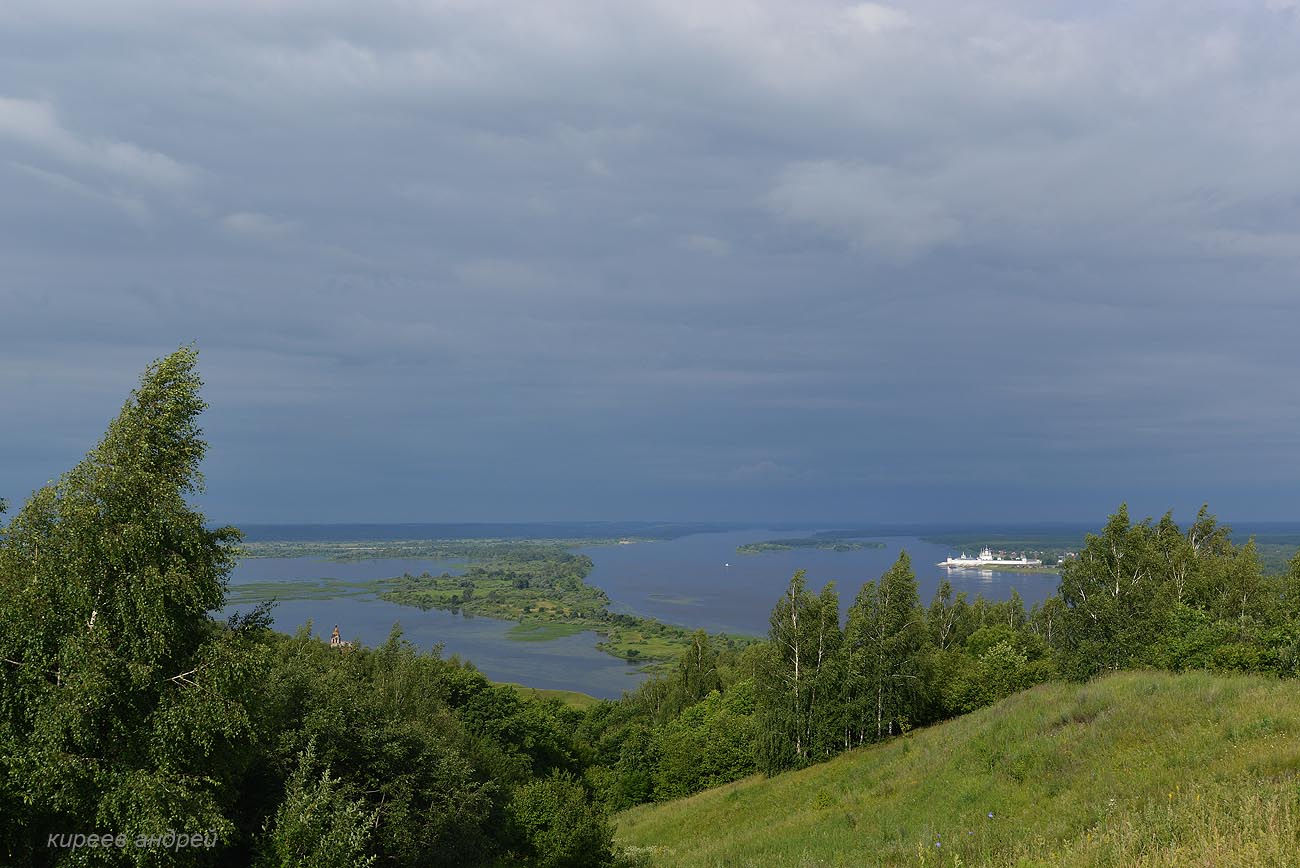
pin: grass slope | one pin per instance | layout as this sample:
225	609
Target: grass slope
1133	769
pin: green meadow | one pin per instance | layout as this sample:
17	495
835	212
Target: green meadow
1133	769
302	589
571	698
535	631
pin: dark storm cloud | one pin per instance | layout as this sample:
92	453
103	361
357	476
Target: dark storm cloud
582	260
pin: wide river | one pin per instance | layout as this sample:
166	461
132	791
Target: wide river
696	581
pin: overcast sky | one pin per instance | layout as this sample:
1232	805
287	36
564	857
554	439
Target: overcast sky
663	260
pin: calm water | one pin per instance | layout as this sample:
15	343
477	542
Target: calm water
568	663
683	581
688	581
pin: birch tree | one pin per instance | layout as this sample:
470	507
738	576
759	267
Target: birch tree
1108	591
796	687
1242	593
824	712
944	615
783	681
1187	560
884	637
119	704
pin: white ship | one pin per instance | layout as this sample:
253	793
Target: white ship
987	561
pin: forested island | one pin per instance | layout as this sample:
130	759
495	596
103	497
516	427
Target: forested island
542	588
810	542
128	711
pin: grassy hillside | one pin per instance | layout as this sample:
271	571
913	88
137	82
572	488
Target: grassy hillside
1133	769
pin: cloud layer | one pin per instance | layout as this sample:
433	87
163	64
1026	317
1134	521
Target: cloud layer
663	260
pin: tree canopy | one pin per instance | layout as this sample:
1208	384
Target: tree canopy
128	710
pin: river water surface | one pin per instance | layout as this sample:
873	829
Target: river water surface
695	581
701	581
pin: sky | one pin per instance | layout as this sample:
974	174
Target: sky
666	260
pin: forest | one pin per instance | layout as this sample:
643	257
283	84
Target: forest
130	715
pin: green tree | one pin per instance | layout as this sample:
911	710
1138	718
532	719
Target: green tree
1287	590
944	621
1241	594
318	825
1000	670
884	638
1185	560
825	712
120	703
411	734
1045	619
794	684
783	679
1108	592
1012	611
1176	559
709	744
558	826
635	770
697	674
